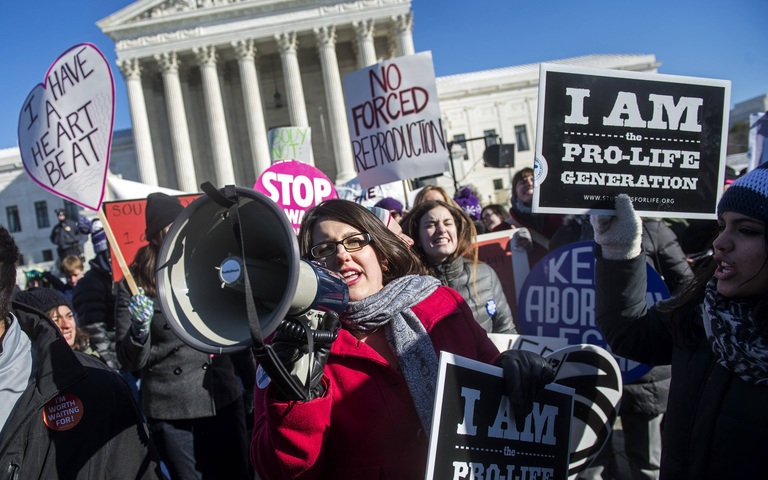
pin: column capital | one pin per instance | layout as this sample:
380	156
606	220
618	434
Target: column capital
245	49
288	42
326	37
364	28
130	67
206	56
168	62
403	23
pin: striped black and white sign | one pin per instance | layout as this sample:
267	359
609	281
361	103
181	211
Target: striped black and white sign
595	376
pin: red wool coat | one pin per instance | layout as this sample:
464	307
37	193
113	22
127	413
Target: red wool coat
366	425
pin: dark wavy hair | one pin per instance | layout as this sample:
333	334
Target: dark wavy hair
684	305
389	248
517	177
9	256
144	264
466	233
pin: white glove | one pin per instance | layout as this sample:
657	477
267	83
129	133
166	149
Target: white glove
620	235
521	240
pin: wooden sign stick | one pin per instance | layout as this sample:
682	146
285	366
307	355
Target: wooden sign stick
118	254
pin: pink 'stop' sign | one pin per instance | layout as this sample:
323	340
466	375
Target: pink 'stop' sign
295	187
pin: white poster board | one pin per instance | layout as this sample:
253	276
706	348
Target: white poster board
290	143
394	121
65	127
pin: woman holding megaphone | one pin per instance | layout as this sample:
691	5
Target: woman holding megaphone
372	398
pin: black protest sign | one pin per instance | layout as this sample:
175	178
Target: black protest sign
660	139
474	434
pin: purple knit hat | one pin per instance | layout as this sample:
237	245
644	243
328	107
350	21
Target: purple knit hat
469	203
391	204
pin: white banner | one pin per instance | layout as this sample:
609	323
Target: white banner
394	121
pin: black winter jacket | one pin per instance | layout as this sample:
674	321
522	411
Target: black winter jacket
110	440
485	296
177	381
716	423
94	302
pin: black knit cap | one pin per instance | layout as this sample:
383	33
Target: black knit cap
748	195
41	298
161	211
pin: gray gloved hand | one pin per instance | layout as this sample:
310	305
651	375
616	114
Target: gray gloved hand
141	308
291	347
525	376
620	236
521	240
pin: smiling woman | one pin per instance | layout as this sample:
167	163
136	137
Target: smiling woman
444	237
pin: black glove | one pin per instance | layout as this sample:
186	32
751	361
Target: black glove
291	345
525	375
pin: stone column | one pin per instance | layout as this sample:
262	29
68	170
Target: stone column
403	25
297	108
334	97
365	45
177	118
217	123
142	139
254	114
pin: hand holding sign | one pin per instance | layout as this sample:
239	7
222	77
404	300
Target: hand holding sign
65	127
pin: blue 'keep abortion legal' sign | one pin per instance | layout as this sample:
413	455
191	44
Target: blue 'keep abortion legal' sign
558	300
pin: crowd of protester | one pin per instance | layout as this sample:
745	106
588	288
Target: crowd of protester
416	287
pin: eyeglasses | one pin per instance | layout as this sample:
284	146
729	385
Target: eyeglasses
352	243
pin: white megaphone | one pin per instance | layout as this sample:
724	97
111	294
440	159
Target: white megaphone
229	271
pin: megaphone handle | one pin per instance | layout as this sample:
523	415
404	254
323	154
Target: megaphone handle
118	255
285	383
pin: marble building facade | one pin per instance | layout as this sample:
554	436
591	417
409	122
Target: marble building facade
206	80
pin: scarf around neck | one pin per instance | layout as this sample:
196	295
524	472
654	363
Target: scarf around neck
735	340
391	308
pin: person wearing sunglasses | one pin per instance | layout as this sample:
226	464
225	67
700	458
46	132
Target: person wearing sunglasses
370	412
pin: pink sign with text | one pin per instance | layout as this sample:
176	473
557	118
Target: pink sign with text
295	187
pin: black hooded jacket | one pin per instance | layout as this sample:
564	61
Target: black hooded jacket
108	441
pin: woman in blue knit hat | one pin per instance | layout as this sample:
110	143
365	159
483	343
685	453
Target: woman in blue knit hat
714	334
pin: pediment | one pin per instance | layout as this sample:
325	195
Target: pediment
149	14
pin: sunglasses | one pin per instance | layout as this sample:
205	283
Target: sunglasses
351	243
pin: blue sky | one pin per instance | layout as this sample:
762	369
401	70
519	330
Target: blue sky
699	38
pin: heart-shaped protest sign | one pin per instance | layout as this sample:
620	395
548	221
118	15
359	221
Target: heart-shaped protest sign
65	127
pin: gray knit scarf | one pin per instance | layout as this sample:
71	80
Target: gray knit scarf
391	308
735	340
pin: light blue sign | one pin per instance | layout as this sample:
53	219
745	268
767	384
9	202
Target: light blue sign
558	300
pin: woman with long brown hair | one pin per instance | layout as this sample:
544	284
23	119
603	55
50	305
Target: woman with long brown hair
444	237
